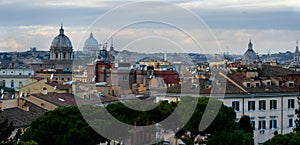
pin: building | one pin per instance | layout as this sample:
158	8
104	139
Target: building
268	96
61	55
16	78
61	47
250	57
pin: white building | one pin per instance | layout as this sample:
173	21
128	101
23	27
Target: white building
15	78
268	97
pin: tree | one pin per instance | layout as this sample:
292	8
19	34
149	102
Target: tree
284	139
6	128
223	127
62	126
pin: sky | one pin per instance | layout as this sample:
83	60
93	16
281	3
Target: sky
202	26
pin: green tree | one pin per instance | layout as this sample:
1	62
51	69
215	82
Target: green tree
224	127
62	126
284	139
6	128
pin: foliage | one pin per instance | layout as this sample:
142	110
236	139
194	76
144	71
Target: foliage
31	142
286	139
223	126
6	128
62	126
237	137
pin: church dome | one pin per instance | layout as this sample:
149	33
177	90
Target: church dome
61	41
250	55
91	41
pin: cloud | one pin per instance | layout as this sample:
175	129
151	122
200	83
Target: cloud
10	45
271	24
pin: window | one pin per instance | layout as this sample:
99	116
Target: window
291	84
56	55
252	122
125	78
248	85
291	103
64	54
273	124
236	105
273	104
12	83
291	122
262	124
257	84
62	78
268	83
262	104
20	74
251	105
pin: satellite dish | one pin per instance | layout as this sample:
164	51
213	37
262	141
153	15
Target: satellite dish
2	96
21	95
12	96
2	91
54	87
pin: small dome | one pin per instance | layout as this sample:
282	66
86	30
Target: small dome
91	41
61	41
250	54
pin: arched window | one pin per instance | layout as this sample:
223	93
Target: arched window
56	55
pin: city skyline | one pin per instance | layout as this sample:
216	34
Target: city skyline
271	25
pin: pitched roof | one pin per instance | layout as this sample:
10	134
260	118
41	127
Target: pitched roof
20	117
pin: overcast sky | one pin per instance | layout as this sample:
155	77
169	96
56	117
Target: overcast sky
206	26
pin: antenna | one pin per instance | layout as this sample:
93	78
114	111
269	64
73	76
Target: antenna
20	96
2	91
54	87
51	77
2	96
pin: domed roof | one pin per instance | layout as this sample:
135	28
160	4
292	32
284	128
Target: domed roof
91	41
61	41
250	54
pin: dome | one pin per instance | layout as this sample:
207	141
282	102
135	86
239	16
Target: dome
250	54
91	41
61	41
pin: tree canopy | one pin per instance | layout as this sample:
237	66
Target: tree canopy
62	126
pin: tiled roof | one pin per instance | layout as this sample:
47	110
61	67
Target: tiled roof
59	86
65	99
239	78
58	99
269	70
20	117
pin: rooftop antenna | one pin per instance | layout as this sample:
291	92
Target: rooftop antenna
20	96
2	96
